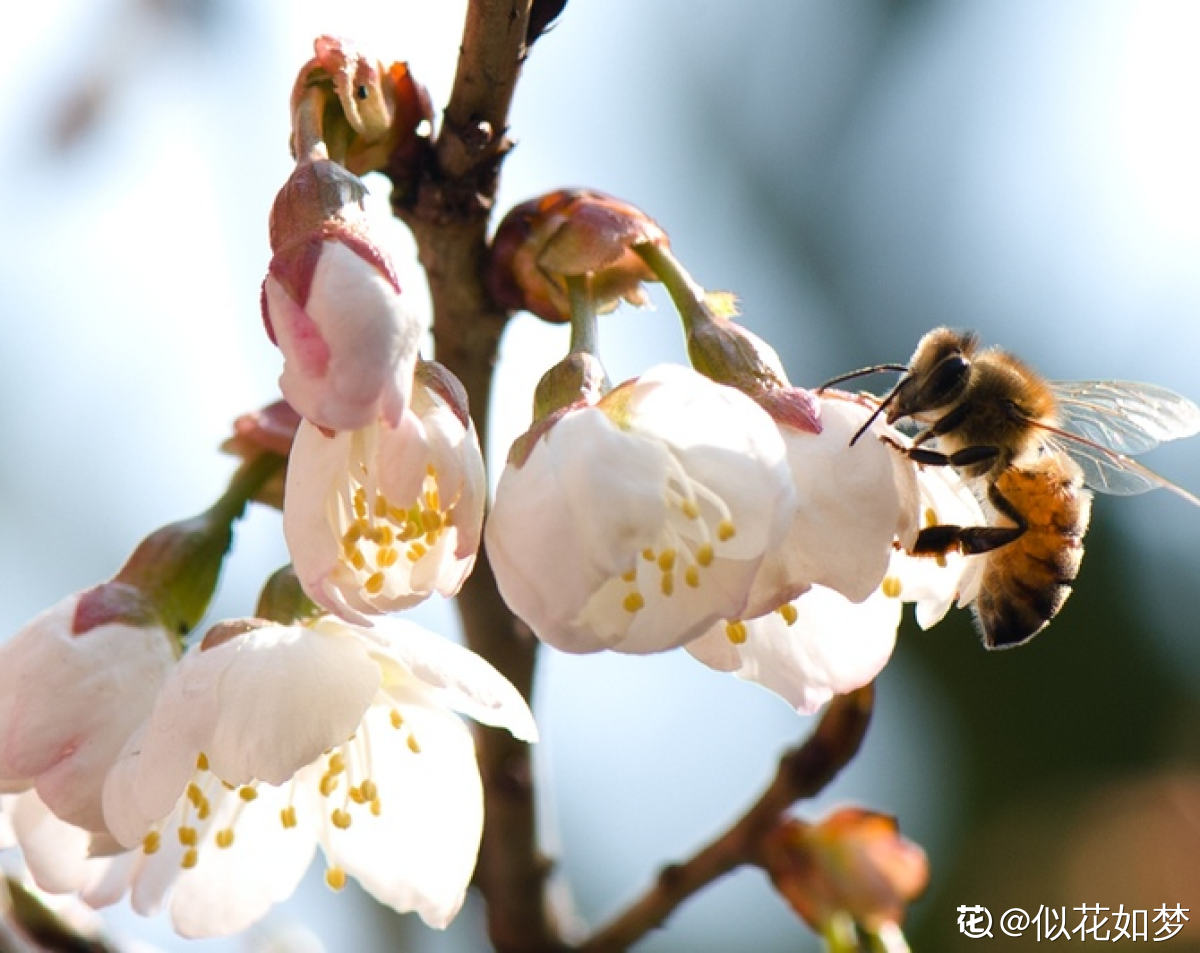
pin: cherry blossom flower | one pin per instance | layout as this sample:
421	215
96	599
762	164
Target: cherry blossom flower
332	303
269	740
378	518
636	522
829	641
74	684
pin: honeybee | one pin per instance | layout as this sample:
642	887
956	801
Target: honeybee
1034	448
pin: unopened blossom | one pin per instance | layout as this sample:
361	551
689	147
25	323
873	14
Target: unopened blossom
636	522
332	303
269	740
853	863
378	518
74	684
828	641
571	233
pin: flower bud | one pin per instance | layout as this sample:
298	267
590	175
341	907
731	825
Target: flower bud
853	862
332	303
377	112
571	232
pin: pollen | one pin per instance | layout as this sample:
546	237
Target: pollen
151	842
789	612
224	837
335	878
736	632
931	517
890	587
633	602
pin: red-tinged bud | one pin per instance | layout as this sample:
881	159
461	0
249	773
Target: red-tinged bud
270	429
852	863
571	233
367	116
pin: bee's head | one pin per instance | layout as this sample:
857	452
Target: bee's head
937	375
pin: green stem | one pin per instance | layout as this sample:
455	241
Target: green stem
583	314
687	295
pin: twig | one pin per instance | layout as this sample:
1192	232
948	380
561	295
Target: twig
447	211
803	772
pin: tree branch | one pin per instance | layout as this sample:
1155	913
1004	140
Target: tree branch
803	772
447	210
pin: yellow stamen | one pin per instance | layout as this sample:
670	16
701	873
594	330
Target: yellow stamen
225	837
201	762
930	517
725	530
629	576
667	584
358	560
328	784
648	555
890	587
151	842
704	554
247	793
374	583
633	602
341	819
736	632
369	790
397	720
335	878
789	613
386	557
337	763
412	744
690	509
691	576
287	816
189	858
666	560
941	561
376	807
187	835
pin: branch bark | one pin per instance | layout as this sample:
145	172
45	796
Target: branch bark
803	772
447	210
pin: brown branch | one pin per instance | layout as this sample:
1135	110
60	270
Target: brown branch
447	209
803	772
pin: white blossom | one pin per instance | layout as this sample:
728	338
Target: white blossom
635	523
270	740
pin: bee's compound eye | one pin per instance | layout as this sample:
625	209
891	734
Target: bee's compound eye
361	91
947	380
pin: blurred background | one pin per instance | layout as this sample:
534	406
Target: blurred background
857	171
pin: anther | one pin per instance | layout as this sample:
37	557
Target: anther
247	793
789	612
224	837
930	517
704	554
335	878
190	856
374	583
396	718
287	816
151	842
201	762
690	509
890	587
736	632
369	790
691	576
648	554
633	602
667	584
629	576
725	530
412	744
187	835
666	560
340	818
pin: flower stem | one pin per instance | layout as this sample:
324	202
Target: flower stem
687	295
583	314
803	772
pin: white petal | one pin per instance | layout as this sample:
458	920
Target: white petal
68	703
285	694
420	852
833	647
231	888
449	675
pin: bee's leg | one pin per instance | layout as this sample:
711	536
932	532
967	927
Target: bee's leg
966	457
943	424
970	540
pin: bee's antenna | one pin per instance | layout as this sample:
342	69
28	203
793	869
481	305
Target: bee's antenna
878	410
863	372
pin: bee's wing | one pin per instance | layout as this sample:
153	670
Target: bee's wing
1124	416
